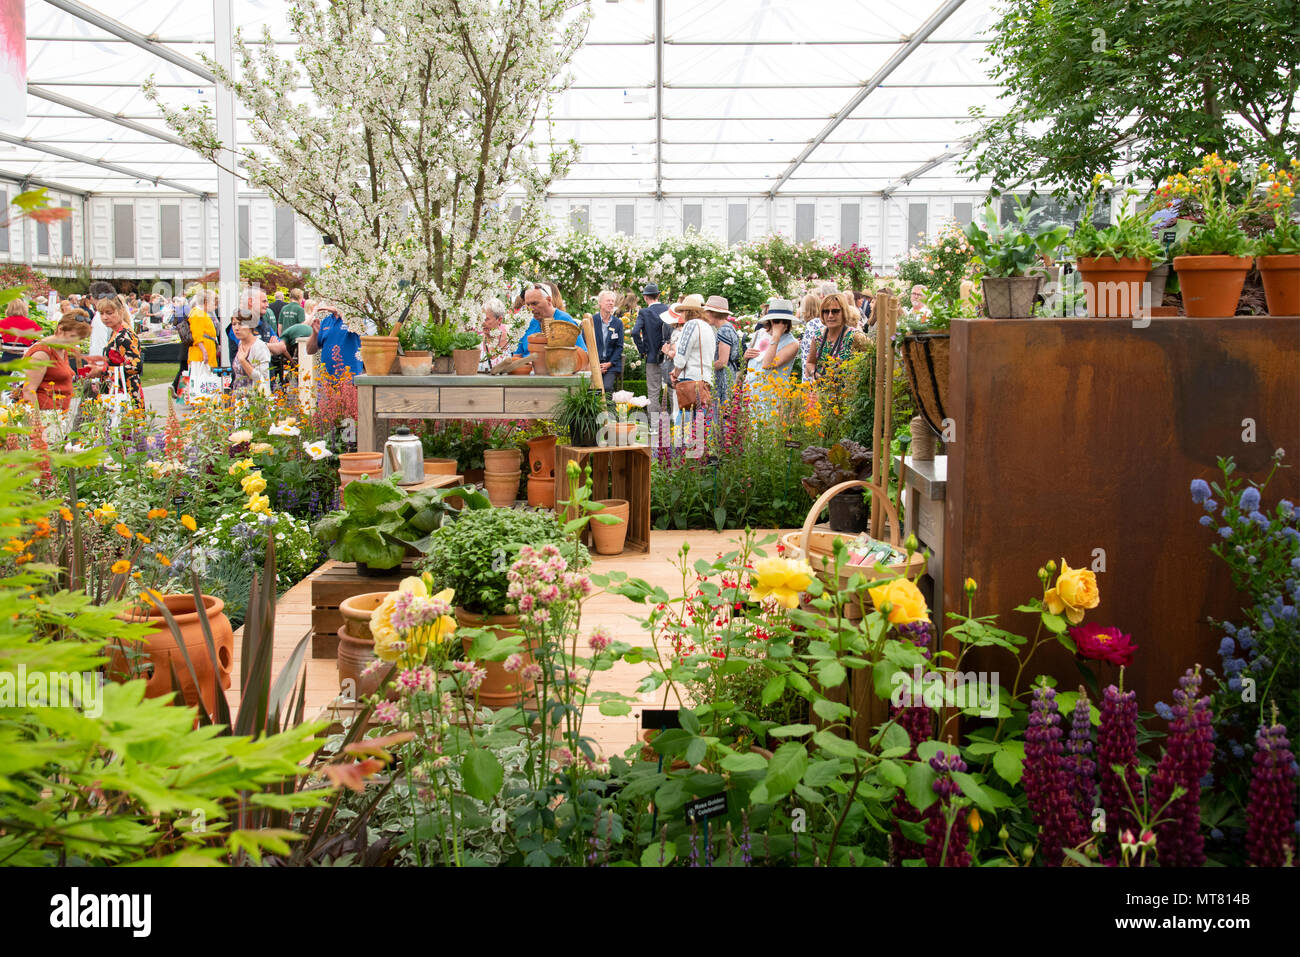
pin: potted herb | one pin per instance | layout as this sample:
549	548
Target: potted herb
1279	250
1215	253
1008	256
380	523
1114	261
579	413
415	358
442	339
845	461
465	352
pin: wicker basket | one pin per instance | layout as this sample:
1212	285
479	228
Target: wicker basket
925	357
818	547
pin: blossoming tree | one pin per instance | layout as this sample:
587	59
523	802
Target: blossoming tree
421	114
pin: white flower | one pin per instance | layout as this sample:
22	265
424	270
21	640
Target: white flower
317	450
622	397
283	428
639	401
240	437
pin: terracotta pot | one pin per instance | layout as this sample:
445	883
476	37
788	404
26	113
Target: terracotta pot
356	611
537	352
439	466
378	353
1113	287
465	361
562	360
562	334
442	365
1281	277
361	461
354	656
501	460
1010	297
1159	280
164	656
500	688
541	492
415	363
541	456
1211	285
609	538
502	487
349	475
525	369
620	434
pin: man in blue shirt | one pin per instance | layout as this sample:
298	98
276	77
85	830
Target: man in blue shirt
538	299
328	334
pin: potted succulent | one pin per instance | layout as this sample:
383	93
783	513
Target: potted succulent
442	341
415	357
844	461
1279	250
1008	256
1114	261
472	556
1215	252
465	352
578	412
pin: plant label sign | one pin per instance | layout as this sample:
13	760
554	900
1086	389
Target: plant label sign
701	809
659	719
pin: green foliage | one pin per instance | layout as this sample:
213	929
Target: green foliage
1150	87
472	554
1129	237
578	412
415	336
442	338
466	340
1004	250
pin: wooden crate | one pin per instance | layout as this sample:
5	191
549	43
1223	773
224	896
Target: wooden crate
334	585
616	472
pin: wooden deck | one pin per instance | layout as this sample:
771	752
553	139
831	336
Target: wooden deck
612	735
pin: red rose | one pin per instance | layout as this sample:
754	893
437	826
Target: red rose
114	357
1103	644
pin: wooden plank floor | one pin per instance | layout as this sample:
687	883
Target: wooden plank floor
613	735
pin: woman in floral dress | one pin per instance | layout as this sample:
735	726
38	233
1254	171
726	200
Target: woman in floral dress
123	349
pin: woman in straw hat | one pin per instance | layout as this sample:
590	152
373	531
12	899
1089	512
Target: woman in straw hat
693	348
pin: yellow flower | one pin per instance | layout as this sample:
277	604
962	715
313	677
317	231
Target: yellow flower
162	560
144	539
157	513
65	514
243	465
121	567
253	483
106	513
907	604
240	437
782	579
1075	591
189	523
122	530
974	821
259	504
260	448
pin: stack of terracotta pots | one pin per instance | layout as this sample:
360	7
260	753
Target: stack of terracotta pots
353	465
501	476
541	472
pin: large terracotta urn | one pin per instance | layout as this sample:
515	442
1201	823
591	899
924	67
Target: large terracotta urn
158	654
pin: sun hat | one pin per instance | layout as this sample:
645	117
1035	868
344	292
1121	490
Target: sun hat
718	304
650	290
781	310
694	303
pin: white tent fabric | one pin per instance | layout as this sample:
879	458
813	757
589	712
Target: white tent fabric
748	87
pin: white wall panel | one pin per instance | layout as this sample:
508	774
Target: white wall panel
148	246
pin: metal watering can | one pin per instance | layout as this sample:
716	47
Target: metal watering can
404	457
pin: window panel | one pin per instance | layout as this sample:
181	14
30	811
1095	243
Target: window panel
169	230
692	217
43	239
963	212
805	219
918	222
625	219
285	234
580	219
4	214
850	224
65	233
123	231
737	222
243	231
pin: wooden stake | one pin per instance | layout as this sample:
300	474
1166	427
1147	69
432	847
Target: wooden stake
593	354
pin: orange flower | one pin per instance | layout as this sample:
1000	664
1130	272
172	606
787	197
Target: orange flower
144	539
122	530
121	567
157	513
162	560
189	523
42	528
65	514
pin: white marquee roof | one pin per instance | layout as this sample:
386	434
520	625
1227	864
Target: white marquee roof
798	96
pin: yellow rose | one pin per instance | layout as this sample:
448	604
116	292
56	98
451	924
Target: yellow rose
782	579
1075	592
259	504
381	627
253	484
907	604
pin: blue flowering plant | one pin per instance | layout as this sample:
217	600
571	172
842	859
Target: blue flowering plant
1260	666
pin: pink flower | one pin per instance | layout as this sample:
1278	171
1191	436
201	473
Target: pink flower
513	663
409	680
1103	644
549	594
526	605
531	672
599	640
541	617
386	712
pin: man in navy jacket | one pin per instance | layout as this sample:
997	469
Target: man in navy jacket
649	334
609	339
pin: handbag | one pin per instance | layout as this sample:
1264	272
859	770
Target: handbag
692	394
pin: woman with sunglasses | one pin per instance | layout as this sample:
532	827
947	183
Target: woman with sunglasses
123	348
835	341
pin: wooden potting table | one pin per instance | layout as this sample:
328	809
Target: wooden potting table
384	397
